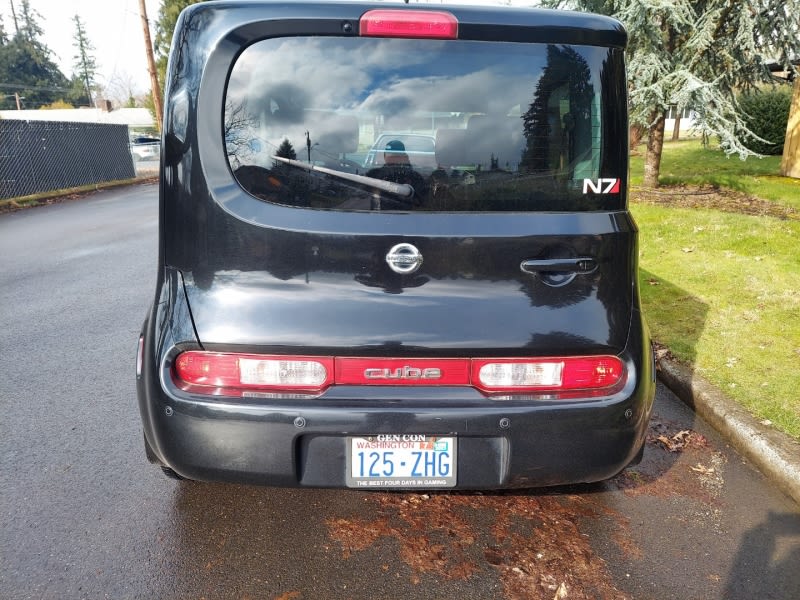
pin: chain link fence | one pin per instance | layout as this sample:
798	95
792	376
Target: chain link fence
40	156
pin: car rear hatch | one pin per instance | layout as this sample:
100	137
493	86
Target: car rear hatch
517	244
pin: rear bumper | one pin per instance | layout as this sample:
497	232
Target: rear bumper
297	442
300	443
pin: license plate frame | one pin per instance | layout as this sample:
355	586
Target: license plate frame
414	461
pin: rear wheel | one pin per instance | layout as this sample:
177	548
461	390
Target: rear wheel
171	474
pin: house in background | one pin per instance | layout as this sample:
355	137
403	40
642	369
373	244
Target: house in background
137	119
687	120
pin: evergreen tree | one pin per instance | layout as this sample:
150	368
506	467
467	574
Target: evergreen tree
4	90
165	26
286	150
77	94
30	29
85	65
565	67
698	54
26	68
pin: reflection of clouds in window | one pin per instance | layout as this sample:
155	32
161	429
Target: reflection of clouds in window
473	92
515	125
340	74
285	81
389	55
267	63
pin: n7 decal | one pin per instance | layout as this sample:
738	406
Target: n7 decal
601	186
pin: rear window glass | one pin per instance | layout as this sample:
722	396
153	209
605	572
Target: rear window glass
326	122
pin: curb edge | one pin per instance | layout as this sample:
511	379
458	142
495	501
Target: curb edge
774	453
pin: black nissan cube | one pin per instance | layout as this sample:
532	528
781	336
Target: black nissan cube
395	250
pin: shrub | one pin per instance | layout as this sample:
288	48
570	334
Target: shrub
766	113
58	104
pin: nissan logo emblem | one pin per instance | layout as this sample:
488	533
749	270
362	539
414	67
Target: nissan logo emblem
404	259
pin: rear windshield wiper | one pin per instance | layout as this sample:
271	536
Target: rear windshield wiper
401	190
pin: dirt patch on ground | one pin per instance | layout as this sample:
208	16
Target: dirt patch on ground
725	200
536	542
680	463
13	205
533	543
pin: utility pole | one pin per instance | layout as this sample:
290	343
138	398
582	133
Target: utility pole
14	16
17	98
151	66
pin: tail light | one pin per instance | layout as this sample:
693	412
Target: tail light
217	373
409	24
223	373
545	374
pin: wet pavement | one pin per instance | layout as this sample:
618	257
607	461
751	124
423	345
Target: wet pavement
83	515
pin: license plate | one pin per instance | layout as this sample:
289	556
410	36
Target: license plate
401	461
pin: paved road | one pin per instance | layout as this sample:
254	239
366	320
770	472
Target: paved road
84	516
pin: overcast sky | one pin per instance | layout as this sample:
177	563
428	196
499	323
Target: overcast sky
114	29
112	26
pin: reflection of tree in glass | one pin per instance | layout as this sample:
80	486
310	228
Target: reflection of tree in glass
560	113
286	150
239	128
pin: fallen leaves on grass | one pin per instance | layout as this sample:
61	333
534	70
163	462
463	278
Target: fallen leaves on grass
662	352
687	196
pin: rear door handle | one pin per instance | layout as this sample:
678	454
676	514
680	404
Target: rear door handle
579	266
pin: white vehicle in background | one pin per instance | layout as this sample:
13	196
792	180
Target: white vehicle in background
145	148
420	149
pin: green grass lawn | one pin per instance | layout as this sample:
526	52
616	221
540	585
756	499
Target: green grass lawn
722	290
687	162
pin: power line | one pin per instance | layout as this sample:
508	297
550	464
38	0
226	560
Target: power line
25	86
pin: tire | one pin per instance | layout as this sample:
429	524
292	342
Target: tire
172	474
